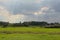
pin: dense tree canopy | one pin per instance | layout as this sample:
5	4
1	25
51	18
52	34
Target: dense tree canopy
31	23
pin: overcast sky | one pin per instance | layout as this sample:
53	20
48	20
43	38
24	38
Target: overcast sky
29	10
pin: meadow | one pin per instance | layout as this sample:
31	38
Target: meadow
29	33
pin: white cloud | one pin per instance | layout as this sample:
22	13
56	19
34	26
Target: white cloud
44	8
37	1
38	13
41	11
16	18
7	16
4	0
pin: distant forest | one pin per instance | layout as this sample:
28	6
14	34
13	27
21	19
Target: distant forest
30	24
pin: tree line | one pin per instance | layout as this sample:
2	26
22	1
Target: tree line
30	24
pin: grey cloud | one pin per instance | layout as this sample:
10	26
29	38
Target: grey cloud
20	6
29	7
54	4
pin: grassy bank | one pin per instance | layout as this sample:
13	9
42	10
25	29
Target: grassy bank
29	29
29	37
29	33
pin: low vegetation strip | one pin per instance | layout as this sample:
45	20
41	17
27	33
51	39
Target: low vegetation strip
30	30
19	32
29	37
29	33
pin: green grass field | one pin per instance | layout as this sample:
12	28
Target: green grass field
29	33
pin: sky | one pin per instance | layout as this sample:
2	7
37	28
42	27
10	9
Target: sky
14	11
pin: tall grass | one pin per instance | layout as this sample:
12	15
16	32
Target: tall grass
30	29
